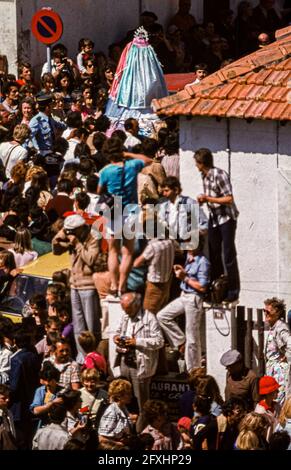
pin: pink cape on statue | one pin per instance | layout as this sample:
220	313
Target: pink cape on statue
119	71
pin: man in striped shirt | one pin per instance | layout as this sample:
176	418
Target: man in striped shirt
222	220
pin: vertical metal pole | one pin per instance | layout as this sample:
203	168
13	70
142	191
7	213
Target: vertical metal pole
261	361
48	58
249	339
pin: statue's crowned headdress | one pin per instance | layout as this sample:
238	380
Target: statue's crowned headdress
141	37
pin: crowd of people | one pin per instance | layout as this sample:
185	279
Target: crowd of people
70	183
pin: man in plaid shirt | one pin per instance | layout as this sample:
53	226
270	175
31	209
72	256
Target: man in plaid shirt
69	369
223	215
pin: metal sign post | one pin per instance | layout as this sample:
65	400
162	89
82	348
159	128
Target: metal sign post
47	27
49	59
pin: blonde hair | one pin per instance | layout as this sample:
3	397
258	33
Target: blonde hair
118	388
88	374
18	171
256	422
285	412
21	133
34	170
247	440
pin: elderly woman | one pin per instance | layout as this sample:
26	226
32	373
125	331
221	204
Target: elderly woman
116	425
276	344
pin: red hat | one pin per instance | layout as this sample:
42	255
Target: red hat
184	423
94	360
267	384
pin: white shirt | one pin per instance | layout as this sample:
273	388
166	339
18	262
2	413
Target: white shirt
69	155
25	258
94	198
17	153
131	141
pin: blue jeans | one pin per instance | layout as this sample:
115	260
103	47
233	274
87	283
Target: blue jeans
86	313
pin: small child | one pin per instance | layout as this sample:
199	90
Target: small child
94	397
183	426
86	51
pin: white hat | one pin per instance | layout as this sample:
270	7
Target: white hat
74	221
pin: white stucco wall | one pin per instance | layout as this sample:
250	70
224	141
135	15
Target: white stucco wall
105	21
8	35
261	178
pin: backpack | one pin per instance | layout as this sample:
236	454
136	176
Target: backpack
218	289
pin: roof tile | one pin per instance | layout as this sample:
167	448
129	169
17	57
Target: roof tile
284	65
286	114
277	94
259	77
221	107
256	109
276	77
238	109
257	86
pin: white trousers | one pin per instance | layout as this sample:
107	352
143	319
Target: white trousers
191	306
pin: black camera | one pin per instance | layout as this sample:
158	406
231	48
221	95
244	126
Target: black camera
130	358
69	231
122	341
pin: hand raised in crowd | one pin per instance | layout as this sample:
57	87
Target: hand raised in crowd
72	239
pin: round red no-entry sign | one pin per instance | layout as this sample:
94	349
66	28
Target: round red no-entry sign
47	26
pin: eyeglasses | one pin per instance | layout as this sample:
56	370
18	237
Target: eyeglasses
90	65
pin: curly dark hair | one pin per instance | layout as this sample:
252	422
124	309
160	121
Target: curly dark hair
228	407
154	408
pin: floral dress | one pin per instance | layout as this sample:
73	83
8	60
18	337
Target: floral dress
275	350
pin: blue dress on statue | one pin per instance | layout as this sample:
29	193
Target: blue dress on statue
141	81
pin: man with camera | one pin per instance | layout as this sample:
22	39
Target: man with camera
138	339
76	238
60	62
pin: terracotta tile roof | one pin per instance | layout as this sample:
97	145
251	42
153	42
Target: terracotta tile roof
257	86
177	81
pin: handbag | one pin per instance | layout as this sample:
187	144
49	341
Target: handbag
106	199
218	289
9	155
